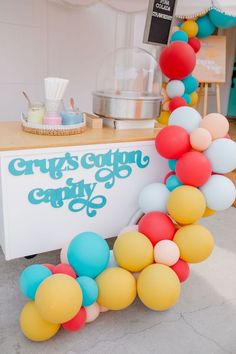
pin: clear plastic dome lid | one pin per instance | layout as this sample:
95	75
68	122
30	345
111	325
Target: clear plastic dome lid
129	72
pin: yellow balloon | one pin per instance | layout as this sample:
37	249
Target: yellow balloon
194	99
158	287
164	117
190	27
186	204
116	288
58	298
133	251
208	212
195	243
33	326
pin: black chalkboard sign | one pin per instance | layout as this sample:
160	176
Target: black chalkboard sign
159	21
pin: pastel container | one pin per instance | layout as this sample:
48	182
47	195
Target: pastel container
52	120
71	117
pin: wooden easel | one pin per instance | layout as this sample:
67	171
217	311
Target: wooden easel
205	85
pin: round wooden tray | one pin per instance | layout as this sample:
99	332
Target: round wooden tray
53	130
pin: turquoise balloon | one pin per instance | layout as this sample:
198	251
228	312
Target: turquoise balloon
172	164
221	20
89	290
88	253
31	278
173	182
187	98
205	27
190	84
179	36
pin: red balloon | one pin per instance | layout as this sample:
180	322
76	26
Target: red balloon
181	269
177	61
63	268
176	102
193	168
76	322
50	266
156	226
195	44
172	142
168	175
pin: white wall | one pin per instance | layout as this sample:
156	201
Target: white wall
39	38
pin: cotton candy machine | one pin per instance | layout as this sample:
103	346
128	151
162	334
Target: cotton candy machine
128	86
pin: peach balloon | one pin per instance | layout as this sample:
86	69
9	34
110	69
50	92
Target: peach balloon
92	312
216	124
200	139
166	252
165	106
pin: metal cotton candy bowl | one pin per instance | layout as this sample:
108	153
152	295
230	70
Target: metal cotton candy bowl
128	86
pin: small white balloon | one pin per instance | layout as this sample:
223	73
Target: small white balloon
63	254
166	252
219	192
222	155
112	261
92	312
154	198
175	88
185	117
128	228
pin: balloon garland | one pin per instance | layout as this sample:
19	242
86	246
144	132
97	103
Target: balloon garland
149	260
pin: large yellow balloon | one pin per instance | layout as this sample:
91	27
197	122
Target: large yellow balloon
133	251
190	27
194	99
116	288
58	298
164	117
195	243
158	287
186	204
33	326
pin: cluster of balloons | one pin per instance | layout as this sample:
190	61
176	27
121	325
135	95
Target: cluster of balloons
178	60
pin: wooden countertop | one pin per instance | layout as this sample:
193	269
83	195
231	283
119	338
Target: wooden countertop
12	137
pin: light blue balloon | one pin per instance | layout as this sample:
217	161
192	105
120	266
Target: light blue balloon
89	290
31	278
88	253
179	36
172	164
187	98
221	20
190	84
205	27
112	261
173	182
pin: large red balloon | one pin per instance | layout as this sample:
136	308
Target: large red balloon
172	142
195	44
156	226
76	322
193	168
178	60
64	268
181	268
176	102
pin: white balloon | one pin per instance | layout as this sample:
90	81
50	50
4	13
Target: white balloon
175	88
219	192
222	155
154	198
112	261
185	117
63	254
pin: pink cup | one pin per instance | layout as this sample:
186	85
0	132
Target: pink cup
52	120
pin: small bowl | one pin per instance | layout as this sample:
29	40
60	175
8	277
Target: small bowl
71	117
